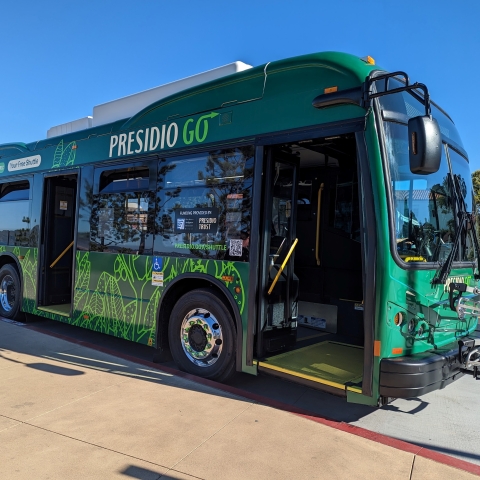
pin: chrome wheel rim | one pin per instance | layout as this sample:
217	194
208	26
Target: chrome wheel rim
201	337
7	293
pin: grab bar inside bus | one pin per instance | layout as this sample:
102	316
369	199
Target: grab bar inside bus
280	270
62	254
317	240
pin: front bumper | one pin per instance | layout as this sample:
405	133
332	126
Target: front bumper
418	374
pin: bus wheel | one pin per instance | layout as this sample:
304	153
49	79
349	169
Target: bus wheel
202	335
10	292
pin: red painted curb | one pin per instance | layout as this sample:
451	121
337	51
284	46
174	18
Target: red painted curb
345	427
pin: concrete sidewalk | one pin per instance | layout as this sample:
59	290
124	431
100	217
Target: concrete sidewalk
67	411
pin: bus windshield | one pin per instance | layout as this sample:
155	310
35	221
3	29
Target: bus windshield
423	206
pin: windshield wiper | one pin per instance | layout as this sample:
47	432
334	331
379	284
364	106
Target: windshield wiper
464	219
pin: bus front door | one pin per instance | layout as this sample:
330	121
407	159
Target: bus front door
278	281
310	321
57	244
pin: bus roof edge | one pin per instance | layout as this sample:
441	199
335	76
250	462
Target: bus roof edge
130	105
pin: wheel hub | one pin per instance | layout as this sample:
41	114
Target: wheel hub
7	293
201	337
197	338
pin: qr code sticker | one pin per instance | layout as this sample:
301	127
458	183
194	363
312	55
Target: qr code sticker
236	248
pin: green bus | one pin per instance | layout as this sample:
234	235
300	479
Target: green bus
310	218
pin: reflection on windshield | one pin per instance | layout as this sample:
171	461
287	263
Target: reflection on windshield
424	209
408	106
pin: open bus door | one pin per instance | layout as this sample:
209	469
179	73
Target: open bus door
311	326
56	263
278	304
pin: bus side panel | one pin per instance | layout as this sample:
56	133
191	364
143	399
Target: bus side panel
116	294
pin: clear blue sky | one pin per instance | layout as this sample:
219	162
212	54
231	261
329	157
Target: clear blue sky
60	58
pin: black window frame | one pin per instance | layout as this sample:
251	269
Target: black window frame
5	185
147	165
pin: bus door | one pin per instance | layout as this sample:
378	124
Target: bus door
311	322
279	285
56	262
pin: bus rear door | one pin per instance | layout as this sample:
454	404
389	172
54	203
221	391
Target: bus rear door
57	244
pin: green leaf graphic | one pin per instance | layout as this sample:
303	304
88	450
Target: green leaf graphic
63	157
57	156
82	281
68	156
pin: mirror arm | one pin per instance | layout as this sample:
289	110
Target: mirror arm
368	96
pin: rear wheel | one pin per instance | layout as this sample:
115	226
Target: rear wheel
202	335
10	290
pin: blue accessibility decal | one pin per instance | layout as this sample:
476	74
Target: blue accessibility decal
157	264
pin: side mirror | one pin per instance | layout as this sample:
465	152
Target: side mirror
425	145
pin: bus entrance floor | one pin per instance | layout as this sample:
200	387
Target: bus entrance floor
319	359
77	404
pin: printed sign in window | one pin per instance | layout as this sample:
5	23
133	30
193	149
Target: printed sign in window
196	220
105	221
234	200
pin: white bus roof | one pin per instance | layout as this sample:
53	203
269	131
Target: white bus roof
130	105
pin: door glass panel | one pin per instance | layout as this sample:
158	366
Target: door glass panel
282	298
346	216
281	207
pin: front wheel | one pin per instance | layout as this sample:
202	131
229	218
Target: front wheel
9	292
201	335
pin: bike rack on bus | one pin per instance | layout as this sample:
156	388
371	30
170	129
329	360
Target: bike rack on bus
469	358
464	305
468	350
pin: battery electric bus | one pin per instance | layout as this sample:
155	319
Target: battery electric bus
311	218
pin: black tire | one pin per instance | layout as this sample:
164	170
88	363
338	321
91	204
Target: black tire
196	315
10	292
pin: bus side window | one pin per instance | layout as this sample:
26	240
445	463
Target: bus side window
204	204
15	213
122	211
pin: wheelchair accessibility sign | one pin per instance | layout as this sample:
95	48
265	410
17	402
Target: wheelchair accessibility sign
157	274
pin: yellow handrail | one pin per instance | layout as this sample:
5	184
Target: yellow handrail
287	258
62	254
319	204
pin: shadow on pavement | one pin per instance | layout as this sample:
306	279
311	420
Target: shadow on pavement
451	451
422	405
45	367
316	402
141	473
